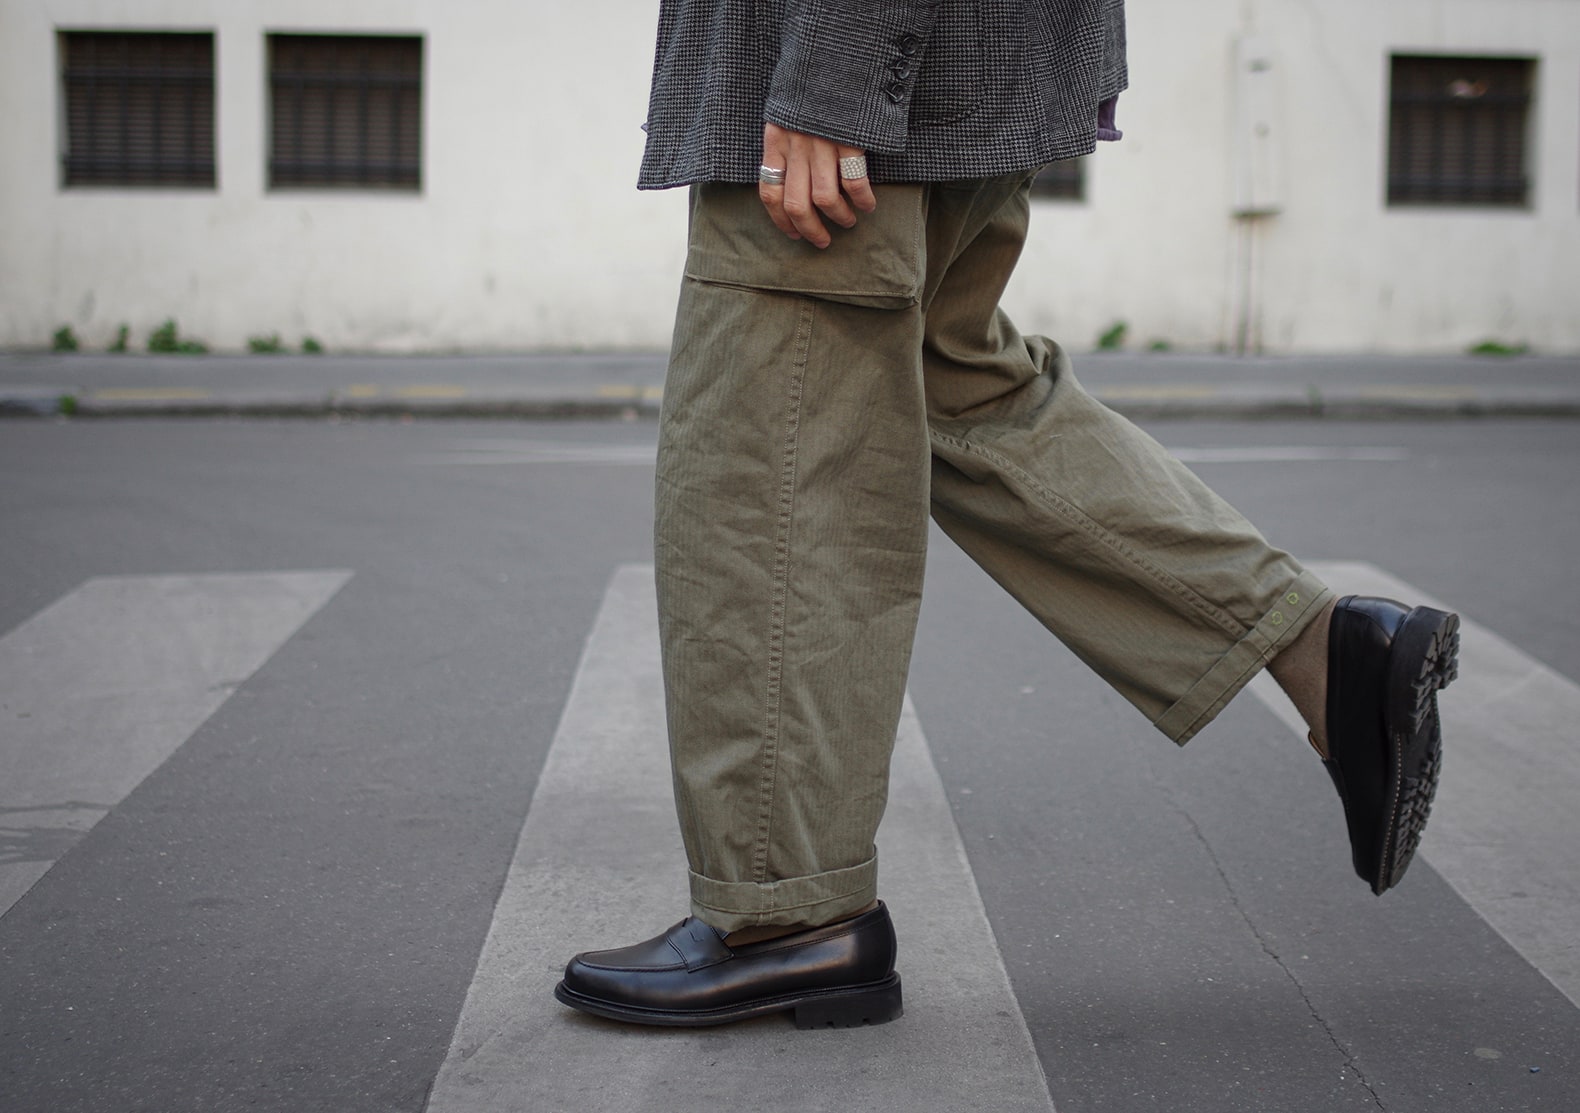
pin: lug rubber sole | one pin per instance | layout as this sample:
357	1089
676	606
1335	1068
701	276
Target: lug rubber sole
841	1007
1424	660
877	1005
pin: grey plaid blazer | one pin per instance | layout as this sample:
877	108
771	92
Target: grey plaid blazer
931	89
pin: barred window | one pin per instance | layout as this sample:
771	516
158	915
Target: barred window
346	111
139	109
1458	131
1064	180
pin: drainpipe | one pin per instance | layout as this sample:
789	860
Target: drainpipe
1258	193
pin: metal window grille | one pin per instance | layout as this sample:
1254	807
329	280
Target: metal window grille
346	112
1064	180
139	109
1458	131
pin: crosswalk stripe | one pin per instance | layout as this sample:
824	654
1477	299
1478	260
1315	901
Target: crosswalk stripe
599	863
1502	831
101	687
1286	454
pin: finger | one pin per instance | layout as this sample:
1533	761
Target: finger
776	155
798	205
859	190
826	192
773	198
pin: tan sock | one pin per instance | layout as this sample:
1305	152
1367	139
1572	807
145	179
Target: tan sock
761	933
1302	672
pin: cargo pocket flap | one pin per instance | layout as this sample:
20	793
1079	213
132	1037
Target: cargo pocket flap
878	263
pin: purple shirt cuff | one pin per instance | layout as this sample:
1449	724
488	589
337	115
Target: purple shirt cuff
1107	131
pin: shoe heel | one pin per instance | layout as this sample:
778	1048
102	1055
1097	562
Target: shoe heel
877	1004
1429	645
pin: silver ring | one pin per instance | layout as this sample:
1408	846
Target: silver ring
853	167
770	175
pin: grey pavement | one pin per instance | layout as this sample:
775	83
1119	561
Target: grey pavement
323	744
626	385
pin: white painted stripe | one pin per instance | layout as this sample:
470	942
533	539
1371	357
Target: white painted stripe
1274	454
599	864
99	688
500	451
521	451
1503	830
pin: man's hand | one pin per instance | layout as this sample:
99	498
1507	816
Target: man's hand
812	185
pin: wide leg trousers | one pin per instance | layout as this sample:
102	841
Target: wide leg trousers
818	406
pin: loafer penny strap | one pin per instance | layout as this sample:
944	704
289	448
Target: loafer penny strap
698	944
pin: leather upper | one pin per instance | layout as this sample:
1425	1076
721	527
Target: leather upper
1360	641
691	968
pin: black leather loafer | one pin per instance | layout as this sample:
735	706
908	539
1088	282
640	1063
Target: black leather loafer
1386	663
840	976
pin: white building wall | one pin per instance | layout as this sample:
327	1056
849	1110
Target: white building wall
528	232
1337	269
1150	245
1407	279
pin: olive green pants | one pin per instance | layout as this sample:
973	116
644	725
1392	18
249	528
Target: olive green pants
818	406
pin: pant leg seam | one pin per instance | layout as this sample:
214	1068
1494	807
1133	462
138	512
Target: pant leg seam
1075	515
779	593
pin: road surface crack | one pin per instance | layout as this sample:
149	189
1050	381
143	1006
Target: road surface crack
1267	949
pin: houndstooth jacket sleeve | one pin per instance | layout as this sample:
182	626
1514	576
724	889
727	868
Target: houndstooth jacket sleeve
931	89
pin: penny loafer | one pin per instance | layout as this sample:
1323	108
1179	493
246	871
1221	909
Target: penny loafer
1386	664
839	976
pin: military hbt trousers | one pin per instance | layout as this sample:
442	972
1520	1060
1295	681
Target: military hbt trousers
818	406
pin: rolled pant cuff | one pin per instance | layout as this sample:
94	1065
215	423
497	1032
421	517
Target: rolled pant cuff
1301	600
811	901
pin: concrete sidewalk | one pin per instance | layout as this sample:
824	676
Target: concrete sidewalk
630	385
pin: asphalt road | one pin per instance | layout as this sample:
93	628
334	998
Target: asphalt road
287	901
